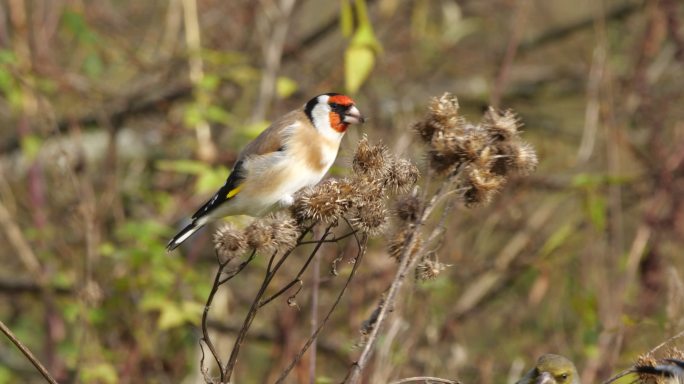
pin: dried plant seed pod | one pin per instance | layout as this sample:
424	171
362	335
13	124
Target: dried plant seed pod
229	242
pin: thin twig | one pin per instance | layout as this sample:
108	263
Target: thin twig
271	270
333	240
43	371
425	379
315	288
362	250
217	283
237	270
408	261
297	278
205	332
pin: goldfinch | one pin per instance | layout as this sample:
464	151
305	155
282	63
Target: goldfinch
551	369
295	152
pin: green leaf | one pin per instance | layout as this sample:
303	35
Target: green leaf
192	115
358	64
209	82
557	239
285	87
192	311
210	179
219	115
191	167
346	18
75	23
98	373
92	65
596	208
7	57
30	146
171	316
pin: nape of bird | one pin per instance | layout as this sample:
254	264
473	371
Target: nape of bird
551	369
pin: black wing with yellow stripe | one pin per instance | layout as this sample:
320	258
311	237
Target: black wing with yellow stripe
227	191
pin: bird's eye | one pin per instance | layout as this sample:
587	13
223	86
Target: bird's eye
334	105
564	376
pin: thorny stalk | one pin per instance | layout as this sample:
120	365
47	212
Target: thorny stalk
408	262
474	161
256	304
361	244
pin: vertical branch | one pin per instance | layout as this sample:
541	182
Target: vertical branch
315	285
408	261
519	21
274	28
206	149
357	261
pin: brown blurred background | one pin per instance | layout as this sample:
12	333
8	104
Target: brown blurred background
118	118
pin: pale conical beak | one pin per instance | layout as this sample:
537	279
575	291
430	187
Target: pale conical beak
353	116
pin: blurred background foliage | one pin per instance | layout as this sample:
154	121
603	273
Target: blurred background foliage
118	118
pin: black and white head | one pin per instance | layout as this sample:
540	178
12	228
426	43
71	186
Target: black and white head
332	113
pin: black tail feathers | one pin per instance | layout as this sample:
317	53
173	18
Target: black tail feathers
183	235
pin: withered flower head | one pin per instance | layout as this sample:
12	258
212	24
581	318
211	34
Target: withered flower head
481	184
442	117
272	233
408	207
370	217
501	126
402	175
523	160
399	242
371	160
395	246
428	269
229	242
324	202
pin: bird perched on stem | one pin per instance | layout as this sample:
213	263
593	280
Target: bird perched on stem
295	152
551	369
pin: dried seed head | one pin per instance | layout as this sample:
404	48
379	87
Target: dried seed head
229	242
481	185
523	160
324	202
407	207
428	269
259	235
426	129
474	141
442	117
501	126
396	245
285	231
445	108
273	233
370	217
372	161
402	175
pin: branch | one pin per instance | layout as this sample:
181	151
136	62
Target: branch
43	371
408	261
426	380
362	250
